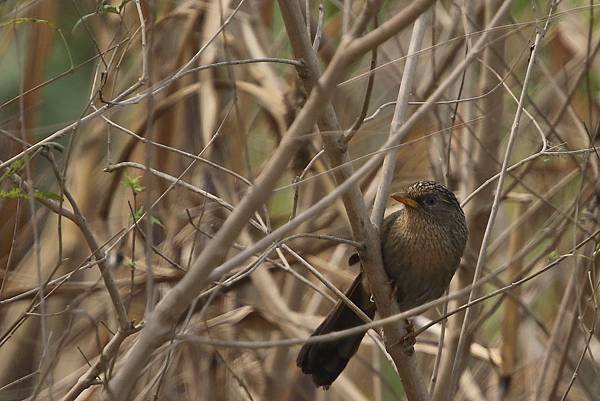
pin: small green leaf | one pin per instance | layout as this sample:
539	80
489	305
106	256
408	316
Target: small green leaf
14	193
103	8
14	168
155	220
133	183
109	8
137	215
122	5
19	193
24	20
46	195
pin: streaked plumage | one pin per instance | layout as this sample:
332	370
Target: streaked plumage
421	246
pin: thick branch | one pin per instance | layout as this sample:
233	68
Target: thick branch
176	300
362	228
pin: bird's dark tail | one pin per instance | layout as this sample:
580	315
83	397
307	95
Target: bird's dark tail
326	360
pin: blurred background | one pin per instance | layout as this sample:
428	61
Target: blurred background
209	106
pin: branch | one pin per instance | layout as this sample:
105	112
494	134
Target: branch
206	267
80	221
362	227
469	314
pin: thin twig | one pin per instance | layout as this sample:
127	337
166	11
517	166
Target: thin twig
495	206
348	135
398	317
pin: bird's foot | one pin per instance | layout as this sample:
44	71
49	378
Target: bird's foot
409	340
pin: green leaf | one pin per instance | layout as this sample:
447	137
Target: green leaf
155	220
103	8
122	5
24	20
133	183
14	168
14	193
109	8
19	193
137	215
46	195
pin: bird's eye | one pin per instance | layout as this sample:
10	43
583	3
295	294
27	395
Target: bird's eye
429	200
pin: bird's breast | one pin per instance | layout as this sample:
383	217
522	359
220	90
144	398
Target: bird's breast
420	261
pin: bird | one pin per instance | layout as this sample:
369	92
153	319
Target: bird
422	245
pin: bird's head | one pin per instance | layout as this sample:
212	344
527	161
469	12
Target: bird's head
429	199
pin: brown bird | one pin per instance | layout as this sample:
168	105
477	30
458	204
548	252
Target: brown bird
421	246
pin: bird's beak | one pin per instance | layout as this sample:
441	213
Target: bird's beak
402	197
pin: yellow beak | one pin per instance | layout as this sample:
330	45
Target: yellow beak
402	197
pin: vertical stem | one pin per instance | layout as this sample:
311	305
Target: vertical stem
510	323
469	315
400	112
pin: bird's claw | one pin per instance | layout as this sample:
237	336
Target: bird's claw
408	341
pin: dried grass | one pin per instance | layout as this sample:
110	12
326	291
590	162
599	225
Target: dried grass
213	127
